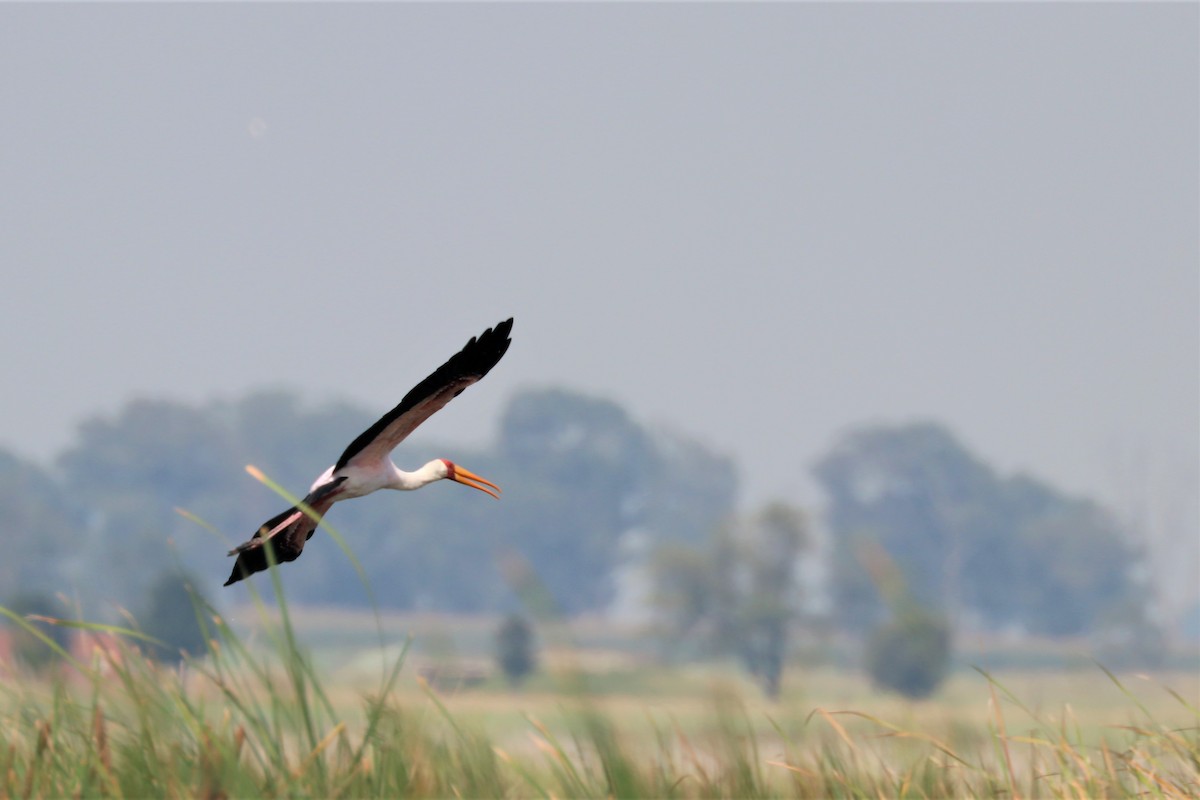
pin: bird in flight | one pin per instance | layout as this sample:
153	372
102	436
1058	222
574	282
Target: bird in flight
366	465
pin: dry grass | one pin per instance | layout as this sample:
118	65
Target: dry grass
264	721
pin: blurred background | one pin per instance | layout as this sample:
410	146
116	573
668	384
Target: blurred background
829	318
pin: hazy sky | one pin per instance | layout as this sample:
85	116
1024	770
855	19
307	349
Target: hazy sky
756	224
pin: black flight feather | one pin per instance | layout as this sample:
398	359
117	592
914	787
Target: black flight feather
474	361
287	544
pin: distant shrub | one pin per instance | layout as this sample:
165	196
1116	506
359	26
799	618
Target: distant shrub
28	650
515	649
170	617
911	653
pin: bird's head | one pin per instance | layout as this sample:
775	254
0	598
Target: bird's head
460	474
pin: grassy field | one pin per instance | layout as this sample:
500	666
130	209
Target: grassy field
326	704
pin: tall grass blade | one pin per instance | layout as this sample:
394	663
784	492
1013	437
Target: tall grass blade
22	623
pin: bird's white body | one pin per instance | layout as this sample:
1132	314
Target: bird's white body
364	478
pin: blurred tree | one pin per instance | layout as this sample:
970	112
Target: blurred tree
1010	551
583	466
688	591
580	473
155	447
172	615
910	654
777	537
689	489
515	649
738	594
588	475
1076	575
915	490
130	472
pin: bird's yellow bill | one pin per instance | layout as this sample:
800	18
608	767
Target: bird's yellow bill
468	478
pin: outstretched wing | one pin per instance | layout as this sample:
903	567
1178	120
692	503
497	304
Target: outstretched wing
464	368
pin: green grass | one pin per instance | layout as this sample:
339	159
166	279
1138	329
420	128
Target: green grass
264	721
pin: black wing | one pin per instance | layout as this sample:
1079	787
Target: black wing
287	542
287	532
464	368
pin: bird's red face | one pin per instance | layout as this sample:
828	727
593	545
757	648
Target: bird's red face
467	478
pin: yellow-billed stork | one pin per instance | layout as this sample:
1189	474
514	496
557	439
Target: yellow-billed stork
366	465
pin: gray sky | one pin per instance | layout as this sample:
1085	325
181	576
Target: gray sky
756	224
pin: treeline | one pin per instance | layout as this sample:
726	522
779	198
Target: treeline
925	540
587	490
991	551
578	473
